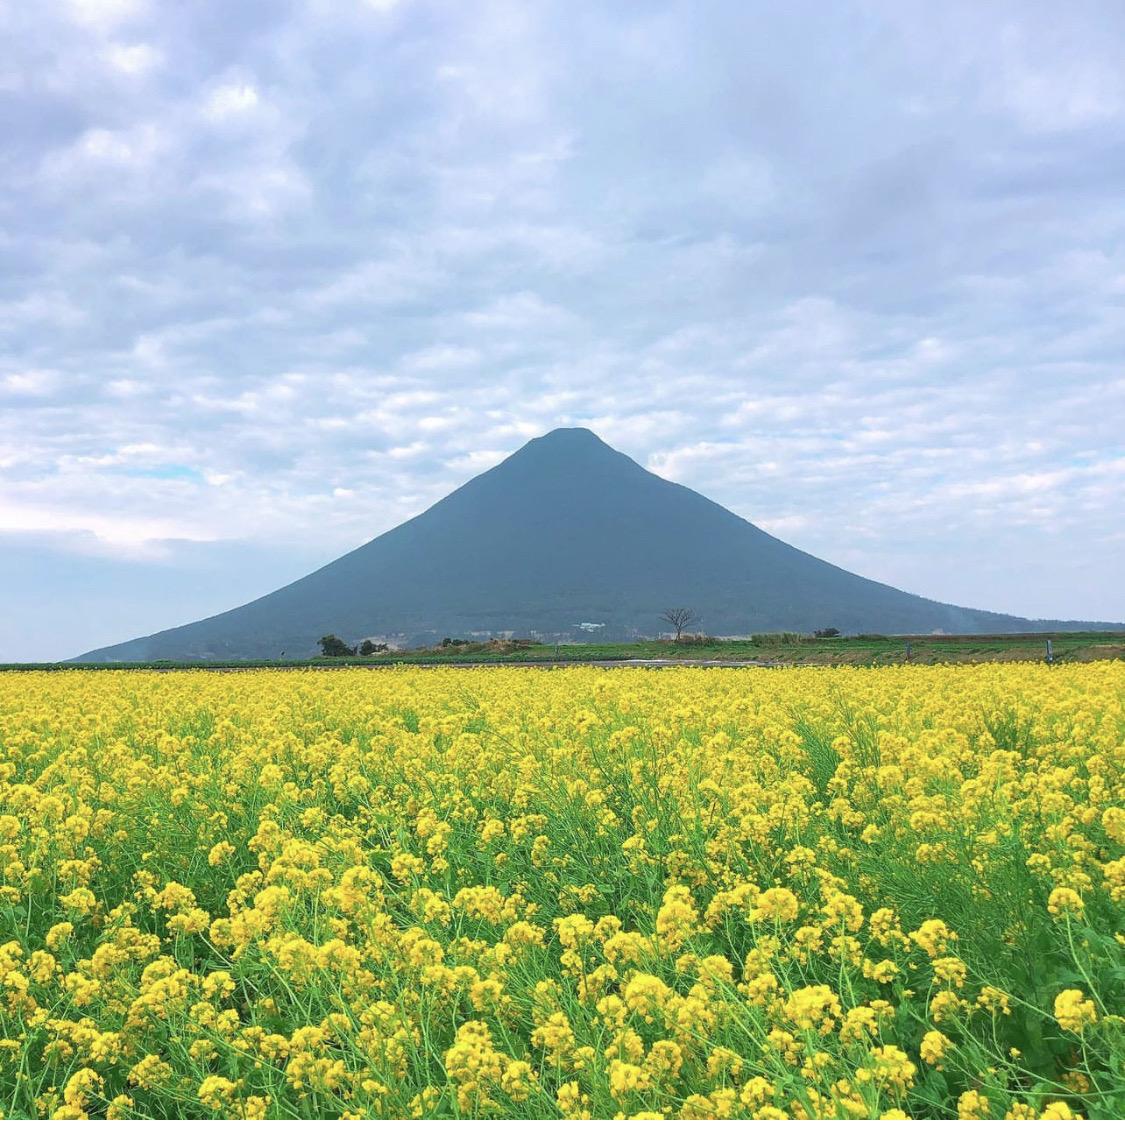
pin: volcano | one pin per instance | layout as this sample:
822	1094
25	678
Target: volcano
565	537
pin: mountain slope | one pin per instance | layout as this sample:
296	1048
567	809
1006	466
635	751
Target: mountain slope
566	530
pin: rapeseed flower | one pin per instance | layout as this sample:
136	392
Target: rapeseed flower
589	893
1074	1011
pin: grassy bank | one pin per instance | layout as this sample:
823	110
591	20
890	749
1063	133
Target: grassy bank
771	649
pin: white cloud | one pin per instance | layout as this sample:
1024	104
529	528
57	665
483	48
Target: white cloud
442	357
230	100
257	190
477	461
523	312
105	154
30	383
409	452
782	526
133	58
106	13
1049	89
104	144
127	535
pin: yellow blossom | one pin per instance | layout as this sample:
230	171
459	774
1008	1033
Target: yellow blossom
1073	1011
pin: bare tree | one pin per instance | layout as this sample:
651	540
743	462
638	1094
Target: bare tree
679	618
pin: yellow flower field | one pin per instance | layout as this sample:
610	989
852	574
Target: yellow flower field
563	893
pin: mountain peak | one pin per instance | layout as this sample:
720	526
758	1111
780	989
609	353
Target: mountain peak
566	450
569	437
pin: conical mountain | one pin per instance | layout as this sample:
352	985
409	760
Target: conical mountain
564	531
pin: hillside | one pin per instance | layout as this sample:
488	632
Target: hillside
564	531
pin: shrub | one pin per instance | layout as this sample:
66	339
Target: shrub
332	646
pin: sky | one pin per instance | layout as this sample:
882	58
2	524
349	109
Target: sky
277	276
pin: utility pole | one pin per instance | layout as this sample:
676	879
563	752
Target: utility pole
1050	654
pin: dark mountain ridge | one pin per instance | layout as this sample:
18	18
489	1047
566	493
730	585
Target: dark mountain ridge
564	531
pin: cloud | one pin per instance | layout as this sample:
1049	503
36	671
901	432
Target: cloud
120	535
29	383
293	272
230	100
133	58
105	13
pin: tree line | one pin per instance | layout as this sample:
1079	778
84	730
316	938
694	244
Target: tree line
333	646
678	617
